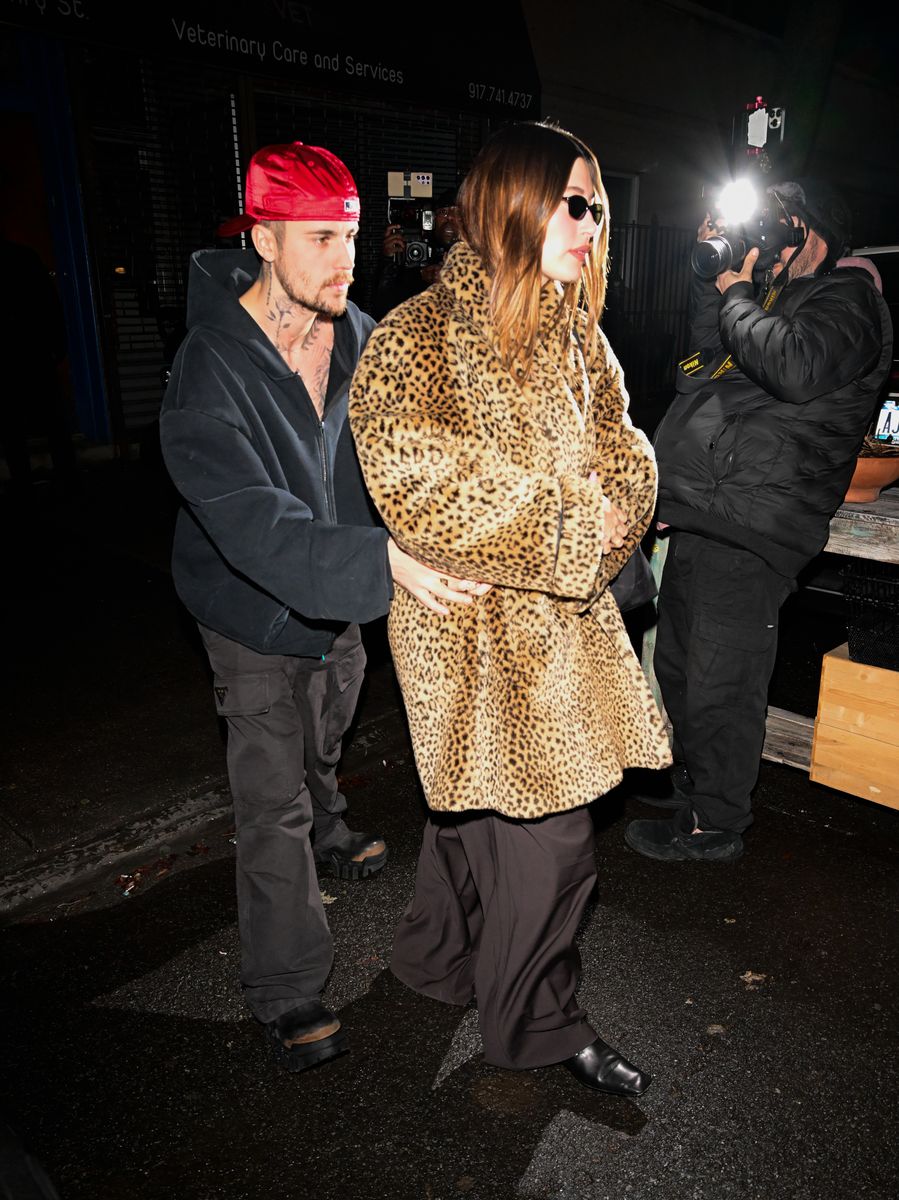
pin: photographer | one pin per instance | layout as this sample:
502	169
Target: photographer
755	455
396	279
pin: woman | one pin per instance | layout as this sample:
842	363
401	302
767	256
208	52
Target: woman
489	417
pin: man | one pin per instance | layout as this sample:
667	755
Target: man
755	455
394	280
278	556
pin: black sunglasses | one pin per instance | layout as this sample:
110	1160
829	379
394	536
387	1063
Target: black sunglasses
577	206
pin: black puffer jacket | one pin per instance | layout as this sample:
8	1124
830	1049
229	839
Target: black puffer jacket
761	456
278	545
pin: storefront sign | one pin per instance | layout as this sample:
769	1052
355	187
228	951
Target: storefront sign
447	58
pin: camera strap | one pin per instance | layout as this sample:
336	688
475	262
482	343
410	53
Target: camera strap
770	297
694	363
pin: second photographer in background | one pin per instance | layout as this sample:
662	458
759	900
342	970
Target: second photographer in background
397	277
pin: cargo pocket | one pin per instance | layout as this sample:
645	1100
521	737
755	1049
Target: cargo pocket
736	635
350	668
343	686
242	695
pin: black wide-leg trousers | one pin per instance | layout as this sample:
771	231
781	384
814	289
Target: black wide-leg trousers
286	718
496	906
715	650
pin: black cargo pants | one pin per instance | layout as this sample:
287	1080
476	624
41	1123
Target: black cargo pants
286	718
714	655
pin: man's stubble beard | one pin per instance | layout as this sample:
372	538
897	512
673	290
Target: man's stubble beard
298	290
802	263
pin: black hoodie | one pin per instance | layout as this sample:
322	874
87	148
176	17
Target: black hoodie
277	545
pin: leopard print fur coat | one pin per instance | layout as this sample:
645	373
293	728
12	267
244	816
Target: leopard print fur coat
530	701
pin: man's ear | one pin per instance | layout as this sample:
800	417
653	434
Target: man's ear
265	242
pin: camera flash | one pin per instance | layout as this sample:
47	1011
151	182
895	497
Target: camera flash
737	202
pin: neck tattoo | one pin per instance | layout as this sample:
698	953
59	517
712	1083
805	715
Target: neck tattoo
311	334
280	315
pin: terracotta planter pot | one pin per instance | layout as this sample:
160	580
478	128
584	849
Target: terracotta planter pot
870	476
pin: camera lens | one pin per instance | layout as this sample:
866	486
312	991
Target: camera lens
711	257
416	253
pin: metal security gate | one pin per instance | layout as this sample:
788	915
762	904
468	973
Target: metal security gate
646	317
159	172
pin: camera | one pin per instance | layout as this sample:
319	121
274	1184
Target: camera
416	221
410	206
751	223
726	251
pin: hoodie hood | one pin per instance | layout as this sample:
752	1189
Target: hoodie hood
219	277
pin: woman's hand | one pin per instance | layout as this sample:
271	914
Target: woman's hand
615	527
615	524
428	586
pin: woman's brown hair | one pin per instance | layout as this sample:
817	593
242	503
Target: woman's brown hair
506	202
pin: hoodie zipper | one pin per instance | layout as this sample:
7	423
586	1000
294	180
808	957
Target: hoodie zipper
330	500
322	447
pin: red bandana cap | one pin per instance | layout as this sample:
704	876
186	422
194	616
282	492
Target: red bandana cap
293	182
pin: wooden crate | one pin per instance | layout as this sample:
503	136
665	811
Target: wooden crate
856	742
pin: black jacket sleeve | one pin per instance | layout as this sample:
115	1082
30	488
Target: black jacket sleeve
823	345
705	305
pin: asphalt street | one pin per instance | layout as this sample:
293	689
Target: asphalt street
760	995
